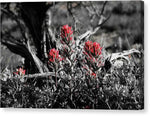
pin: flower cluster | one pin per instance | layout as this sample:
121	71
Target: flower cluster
53	55
92	49
20	72
66	33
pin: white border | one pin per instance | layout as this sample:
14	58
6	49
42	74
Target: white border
67	112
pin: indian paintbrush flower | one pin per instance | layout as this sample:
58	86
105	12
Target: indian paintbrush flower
20	71
66	33
53	55
92	49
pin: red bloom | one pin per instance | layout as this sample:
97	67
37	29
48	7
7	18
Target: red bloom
92	48
97	48
53	55
20	71
93	74
88	46
66	32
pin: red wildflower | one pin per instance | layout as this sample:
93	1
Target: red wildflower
20	71
53	55
92	48
97	48
93	74
66	32
88	46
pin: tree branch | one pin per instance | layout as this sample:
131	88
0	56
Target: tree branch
88	33
124	54
23	49
41	75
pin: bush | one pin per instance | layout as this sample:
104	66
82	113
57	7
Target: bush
83	76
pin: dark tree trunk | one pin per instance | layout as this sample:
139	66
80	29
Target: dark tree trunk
33	15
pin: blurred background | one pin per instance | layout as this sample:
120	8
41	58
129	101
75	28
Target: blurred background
122	31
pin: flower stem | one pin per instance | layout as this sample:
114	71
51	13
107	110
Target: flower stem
56	78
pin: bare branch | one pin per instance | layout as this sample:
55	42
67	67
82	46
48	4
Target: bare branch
49	39
39	75
69	7
36	75
23	49
37	61
48	22
88	33
44	44
102	11
124	54
94	9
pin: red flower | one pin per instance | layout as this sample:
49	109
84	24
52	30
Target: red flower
92	48
53	55
20	71
88	46
93	74
97	48
66	32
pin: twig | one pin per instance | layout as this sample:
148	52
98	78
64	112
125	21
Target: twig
123	54
44	44
36	59
69	7
48	22
108	105
94	9
88	33
39	75
103	8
